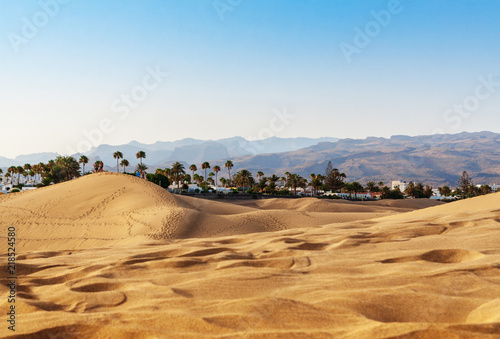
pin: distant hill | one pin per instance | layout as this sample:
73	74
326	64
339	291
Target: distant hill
436	159
188	151
162	154
27	159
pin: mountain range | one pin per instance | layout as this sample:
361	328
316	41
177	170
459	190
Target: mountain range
433	159
163	154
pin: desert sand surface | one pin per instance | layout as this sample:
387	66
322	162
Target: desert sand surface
110	256
107	208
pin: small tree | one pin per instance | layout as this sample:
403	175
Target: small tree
464	184
444	191
485	189
428	192
334	179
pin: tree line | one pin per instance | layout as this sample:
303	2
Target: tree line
65	168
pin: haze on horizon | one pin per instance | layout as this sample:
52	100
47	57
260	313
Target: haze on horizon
77	74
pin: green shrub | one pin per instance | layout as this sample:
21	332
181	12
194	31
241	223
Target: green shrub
15	190
158	179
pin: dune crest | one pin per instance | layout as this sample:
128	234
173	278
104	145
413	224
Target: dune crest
108	208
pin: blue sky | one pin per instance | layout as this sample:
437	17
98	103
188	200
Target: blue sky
232	65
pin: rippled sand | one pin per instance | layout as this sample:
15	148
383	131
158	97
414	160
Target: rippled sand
111	256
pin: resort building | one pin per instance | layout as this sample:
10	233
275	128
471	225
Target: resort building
402	185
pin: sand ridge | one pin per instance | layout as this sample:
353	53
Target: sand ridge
431	273
108	208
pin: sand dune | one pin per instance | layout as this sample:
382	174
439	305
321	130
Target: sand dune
107	208
431	273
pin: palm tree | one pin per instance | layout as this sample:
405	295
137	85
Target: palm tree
294	181
34	169
272	182
410	190
177	171
357	187
316	182
229	164
27	169
41	169
83	160
260	174
210	179
193	169
244	178
141	168
216	170
198	179
124	163
12	170
223	181
69	166
140	155
205	166
371	186
19	171
117	155
262	184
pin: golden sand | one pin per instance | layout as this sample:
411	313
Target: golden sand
112	256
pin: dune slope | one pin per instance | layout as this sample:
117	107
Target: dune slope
432	273
104	209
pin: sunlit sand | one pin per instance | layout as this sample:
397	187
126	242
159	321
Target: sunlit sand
113	256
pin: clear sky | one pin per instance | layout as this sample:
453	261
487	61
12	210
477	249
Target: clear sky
78	73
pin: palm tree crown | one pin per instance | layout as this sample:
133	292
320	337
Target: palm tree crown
177	171
216	170
205	166
124	163
117	155
83	160
229	164
141	155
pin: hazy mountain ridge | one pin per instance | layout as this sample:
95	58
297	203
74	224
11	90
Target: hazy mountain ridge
435	159
188	150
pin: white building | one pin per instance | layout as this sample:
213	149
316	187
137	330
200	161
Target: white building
402	185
